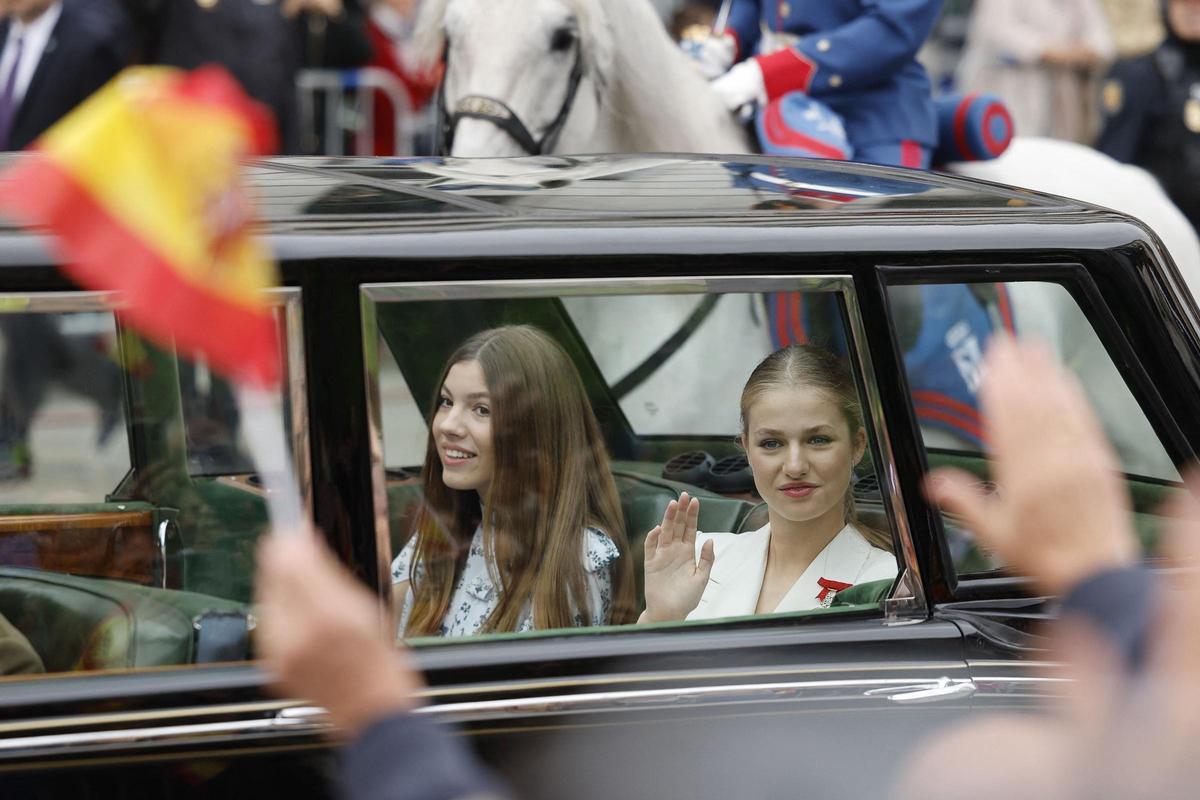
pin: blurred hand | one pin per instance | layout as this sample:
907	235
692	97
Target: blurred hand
1115	735
741	85
328	8
710	56
675	579
1060	512
325	637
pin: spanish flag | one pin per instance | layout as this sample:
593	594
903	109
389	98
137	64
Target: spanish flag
141	188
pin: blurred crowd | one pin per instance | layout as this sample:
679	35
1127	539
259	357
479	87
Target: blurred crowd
1046	58
56	52
342	77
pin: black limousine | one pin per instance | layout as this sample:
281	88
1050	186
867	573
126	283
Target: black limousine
129	509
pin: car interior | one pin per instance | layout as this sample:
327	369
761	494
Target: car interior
158	568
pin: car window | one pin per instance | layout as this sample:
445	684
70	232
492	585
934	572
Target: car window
482	406
943	331
129	509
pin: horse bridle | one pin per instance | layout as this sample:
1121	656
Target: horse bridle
497	112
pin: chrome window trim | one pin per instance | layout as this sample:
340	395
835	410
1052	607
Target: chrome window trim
57	302
286	297
299	718
290	299
906	603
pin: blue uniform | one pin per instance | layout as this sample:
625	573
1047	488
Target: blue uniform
856	56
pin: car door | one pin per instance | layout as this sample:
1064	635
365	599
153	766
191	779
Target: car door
557	711
1130	341
836	694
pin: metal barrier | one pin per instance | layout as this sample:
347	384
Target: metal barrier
347	102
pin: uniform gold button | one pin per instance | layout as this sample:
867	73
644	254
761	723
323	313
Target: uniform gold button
785	9
835	81
824	45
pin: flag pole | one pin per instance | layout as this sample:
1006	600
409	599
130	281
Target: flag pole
263	426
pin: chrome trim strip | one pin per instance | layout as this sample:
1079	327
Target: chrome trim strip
558	685
290	299
57	302
582	287
482	710
379	502
910	607
307	719
176	734
1022	664
907	601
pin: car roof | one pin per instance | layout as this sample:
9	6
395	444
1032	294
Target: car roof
328	207
616	186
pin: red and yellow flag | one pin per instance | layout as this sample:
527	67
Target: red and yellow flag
141	187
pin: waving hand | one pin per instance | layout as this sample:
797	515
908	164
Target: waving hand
675	579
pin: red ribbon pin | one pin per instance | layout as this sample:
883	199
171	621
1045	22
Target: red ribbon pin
829	588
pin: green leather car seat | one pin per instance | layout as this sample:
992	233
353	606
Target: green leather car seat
644	498
869	593
78	623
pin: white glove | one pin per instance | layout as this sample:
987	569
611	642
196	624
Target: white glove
741	85
711	55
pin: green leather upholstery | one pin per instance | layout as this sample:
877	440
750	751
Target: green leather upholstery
870	593
77	623
644	498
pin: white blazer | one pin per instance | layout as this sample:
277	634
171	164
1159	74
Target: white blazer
741	560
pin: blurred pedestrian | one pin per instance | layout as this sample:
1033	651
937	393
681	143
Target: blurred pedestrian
1151	109
55	53
390	25
1136	25
263	43
1042	57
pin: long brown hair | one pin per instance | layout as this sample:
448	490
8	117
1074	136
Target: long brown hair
550	480
816	367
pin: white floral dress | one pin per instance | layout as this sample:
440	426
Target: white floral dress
476	595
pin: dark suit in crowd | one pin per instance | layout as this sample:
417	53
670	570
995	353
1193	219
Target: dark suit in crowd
254	41
90	42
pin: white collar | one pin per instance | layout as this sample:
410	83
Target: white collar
736	579
40	29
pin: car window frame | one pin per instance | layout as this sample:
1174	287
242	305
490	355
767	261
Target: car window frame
1079	282
907	599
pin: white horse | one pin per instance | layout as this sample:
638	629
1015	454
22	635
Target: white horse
637	93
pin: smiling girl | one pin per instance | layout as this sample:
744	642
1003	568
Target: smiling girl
521	525
803	433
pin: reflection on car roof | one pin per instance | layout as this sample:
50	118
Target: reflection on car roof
334	192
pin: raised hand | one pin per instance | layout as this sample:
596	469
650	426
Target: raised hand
323	636
675	579
1061	512
710	56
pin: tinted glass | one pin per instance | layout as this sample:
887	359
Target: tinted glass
943	331
129	506
524	409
